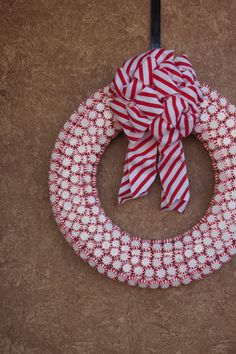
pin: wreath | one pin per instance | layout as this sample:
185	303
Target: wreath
156	100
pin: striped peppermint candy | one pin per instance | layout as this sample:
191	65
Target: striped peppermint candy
155	98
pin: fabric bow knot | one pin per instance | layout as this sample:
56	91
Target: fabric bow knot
155	98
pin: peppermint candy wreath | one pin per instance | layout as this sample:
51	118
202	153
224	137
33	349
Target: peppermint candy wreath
74	197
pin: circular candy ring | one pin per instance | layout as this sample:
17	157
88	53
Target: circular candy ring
115	253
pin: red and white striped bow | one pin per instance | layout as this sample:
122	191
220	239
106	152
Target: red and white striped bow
155	97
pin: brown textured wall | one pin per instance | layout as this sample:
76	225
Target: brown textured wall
52	55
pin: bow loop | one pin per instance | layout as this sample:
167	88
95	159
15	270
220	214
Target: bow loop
173	72
155	98
164	85
138	119
144	71
148	102
131	89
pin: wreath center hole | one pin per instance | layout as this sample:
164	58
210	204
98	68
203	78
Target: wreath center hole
142	216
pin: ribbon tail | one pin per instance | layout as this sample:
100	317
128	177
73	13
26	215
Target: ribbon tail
140	168
174	179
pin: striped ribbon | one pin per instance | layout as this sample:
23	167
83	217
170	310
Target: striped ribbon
155	98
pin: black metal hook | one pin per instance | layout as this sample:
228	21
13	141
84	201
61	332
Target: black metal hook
155	24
